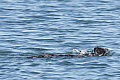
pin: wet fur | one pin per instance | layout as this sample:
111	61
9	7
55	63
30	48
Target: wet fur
97	52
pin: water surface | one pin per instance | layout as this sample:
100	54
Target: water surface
33	27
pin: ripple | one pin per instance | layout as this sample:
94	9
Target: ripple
67	63
58	26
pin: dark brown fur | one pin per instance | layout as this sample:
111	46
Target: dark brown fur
97	52
100	51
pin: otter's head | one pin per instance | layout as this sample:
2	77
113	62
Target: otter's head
100	51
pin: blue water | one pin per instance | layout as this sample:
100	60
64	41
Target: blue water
33	27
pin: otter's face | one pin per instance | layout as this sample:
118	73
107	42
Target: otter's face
99	50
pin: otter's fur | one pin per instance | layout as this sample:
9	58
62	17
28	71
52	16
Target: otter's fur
98	51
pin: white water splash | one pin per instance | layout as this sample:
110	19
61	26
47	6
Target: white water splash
109	48
75	51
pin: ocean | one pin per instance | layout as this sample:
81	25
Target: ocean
33	27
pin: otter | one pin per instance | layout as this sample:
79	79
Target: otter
97	51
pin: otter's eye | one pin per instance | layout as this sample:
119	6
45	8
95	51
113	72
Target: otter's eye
80	51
